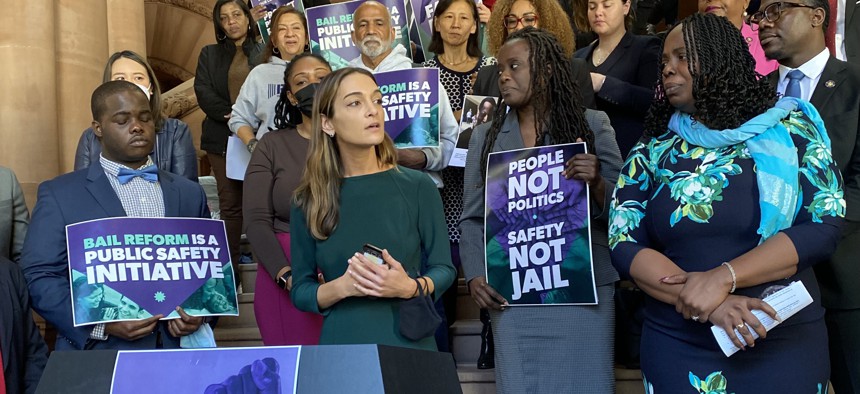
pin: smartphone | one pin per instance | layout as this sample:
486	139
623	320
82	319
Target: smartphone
373	254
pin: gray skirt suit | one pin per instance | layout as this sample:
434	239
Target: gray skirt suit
548	349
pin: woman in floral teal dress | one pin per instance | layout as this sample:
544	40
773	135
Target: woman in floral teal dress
730	195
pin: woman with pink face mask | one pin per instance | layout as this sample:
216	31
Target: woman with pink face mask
174	151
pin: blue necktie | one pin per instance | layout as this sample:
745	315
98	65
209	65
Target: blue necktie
793	87
149	173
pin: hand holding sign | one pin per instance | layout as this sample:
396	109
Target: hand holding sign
132	330
586	167
485	295
184	325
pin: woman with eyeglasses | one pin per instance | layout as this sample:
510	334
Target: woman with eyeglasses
623	68
510	16
731	196
735	12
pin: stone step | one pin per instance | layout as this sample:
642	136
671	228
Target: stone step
248	277
628	381
237	336
466	306
246	316
466	345
476	381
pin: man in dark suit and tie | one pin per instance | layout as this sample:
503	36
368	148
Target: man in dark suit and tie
124	182
794	35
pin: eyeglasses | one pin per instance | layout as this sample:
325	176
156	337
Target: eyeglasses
528	19
772	12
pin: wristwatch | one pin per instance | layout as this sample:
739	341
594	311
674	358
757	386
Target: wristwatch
282	281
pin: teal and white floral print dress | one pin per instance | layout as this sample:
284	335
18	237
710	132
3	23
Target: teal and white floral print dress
700	207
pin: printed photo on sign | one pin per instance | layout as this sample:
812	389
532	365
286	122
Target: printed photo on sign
410	99
133	268
538	243
330	29
476	110
270	369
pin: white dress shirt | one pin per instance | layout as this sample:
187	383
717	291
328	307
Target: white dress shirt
811	70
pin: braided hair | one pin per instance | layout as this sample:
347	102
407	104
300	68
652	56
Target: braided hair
288	115
726	88
558	110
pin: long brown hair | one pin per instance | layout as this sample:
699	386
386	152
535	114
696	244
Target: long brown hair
551	17
318	193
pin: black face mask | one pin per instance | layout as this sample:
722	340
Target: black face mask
305	99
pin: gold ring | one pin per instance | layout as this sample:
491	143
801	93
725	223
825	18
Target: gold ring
741	326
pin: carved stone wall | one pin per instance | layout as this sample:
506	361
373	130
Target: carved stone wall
49	72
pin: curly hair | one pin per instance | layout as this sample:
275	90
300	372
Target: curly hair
551	17
558	110
288	115
726	88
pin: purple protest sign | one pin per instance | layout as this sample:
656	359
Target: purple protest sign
422	15
330	30
410	99
271	369
271	6
538	243
133	268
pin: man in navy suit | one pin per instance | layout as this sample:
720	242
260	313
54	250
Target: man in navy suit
124	182
795	37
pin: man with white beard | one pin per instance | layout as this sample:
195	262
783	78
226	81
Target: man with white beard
374	36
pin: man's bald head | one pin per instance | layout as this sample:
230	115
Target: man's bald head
372	34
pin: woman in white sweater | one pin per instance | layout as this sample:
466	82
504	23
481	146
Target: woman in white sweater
254	111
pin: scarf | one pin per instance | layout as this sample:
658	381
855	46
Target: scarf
773	152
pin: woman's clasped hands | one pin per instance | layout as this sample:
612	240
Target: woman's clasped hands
387	280
705	297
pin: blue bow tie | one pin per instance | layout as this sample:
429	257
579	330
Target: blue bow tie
149	173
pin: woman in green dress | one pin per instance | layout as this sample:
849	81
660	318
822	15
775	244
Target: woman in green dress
353	193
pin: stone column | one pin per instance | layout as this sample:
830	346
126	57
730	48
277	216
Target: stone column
82	50
28	84
126	22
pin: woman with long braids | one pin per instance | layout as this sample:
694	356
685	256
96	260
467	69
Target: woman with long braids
541	348
730	196
273	173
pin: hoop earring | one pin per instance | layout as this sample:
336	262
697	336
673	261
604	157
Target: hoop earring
220	38
275	50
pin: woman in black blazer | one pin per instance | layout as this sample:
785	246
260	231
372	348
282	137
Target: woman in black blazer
221	69
624	69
